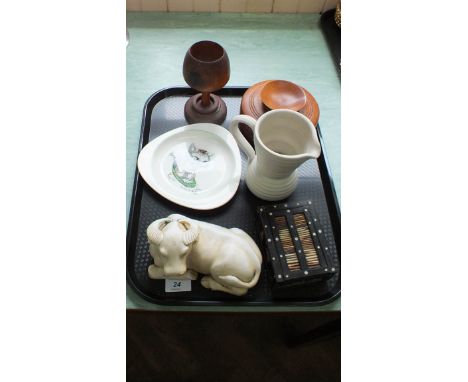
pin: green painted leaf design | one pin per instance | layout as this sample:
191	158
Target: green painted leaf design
186	178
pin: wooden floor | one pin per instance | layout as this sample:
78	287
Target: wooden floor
228	347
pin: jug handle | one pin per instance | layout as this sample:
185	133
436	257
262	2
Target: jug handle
244	145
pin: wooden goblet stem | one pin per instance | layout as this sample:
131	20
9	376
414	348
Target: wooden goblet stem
205	100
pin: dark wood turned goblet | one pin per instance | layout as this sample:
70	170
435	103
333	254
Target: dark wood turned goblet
206	69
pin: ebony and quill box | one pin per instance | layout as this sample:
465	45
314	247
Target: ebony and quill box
296	248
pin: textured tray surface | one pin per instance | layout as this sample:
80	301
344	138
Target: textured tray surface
240	212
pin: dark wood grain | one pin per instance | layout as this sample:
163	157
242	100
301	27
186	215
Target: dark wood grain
229	347
206	68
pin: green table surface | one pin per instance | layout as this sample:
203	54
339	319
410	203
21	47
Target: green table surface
260	47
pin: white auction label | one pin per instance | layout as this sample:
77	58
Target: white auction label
178	285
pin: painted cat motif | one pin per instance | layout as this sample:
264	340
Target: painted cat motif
200	155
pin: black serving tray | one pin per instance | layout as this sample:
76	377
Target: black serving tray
164	111
332	33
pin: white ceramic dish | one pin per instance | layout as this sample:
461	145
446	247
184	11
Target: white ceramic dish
196	166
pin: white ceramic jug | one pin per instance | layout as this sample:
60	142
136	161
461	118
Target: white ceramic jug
284	139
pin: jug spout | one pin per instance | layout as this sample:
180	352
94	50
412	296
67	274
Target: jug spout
278	167
315	151
308	156
313	154
299	160
290	163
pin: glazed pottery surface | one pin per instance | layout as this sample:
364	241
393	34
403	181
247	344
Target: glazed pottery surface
284	139
196	166
182	248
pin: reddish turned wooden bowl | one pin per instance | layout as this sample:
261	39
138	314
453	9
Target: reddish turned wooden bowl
279	94
253	105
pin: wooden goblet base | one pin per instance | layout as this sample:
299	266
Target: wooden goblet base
195	112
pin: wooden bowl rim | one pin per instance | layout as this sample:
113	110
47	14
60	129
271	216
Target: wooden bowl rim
289	85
